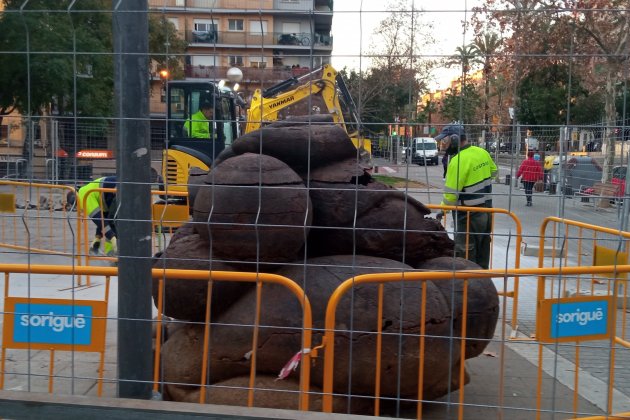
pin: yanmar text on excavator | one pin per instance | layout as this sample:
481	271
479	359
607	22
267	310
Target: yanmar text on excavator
322	91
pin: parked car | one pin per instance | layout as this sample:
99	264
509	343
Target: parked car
578	172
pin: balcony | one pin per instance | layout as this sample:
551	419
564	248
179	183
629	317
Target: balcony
268	76
270	39
293	5
212	4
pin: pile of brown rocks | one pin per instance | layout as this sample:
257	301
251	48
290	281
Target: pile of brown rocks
295	199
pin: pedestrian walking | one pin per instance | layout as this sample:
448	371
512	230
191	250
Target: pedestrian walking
468	183
530	171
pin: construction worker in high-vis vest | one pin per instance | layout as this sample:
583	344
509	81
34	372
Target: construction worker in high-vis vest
468	183
200	125
100	208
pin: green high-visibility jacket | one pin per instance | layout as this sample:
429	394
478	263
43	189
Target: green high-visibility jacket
198	126
469	178
97	205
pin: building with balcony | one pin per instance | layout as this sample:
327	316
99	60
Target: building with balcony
269	40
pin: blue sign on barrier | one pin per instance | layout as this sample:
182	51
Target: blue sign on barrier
52	324
578	319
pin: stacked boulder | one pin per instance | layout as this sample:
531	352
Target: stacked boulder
294	198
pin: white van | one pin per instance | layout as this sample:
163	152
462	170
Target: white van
424	150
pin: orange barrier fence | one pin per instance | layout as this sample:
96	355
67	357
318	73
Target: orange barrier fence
36	218
259	279
379	280
25	310
588	246
495	242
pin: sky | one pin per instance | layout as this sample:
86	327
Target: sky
354	21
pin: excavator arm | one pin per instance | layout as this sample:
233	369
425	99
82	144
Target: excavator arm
263	109
266	105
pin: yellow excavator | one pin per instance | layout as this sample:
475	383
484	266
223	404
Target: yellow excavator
320	91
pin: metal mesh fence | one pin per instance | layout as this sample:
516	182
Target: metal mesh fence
274	159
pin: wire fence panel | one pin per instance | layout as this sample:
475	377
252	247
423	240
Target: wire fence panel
304	179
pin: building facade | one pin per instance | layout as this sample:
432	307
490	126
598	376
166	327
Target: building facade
269	40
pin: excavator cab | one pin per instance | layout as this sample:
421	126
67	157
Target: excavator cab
183	150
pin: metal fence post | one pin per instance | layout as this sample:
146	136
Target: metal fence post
133	163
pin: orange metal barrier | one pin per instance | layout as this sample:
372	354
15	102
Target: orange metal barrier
607	247
384	278
517	247
193	275
44	219
10	313
259	279
329	337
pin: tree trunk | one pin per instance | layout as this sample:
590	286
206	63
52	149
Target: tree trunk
611	120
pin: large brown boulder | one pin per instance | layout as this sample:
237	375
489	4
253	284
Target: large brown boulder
299	146
196	178
374	220
483	302
281	328
185	299
253	208
357	322
347	171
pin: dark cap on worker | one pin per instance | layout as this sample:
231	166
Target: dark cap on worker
205	101
451	129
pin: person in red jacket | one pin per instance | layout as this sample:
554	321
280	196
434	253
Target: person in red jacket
531	170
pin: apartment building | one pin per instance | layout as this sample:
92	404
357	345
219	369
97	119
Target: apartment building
269	40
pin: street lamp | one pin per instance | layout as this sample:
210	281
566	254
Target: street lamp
234	74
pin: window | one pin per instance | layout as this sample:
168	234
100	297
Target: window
257	27
208	25
258	61
205	60
291	28
236	60
205	30
235	24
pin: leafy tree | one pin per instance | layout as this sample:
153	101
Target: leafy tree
552	30
48	50
465	56
57	59
461	105
543	96
379	96
399	68
487	46
166	47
